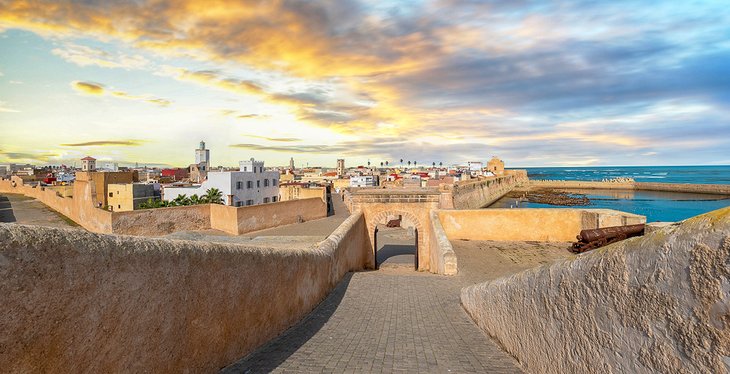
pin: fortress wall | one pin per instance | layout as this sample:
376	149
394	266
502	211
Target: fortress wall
259	217
443	258
581	185
476	194
529	224
74	301
658	303
162	221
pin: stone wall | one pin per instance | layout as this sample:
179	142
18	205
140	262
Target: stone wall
443	257
162	221
720	189
74	301
658	303
529	224
474	194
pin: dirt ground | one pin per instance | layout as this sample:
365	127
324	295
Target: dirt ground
481	261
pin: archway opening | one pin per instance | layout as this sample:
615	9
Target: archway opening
396	243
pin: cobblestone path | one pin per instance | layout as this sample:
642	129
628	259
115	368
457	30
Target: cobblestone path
384	321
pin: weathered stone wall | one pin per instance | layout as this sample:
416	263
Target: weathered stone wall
476	194
259	217
443	257
722	189
589	185
658	303
74	301
162	221
529	224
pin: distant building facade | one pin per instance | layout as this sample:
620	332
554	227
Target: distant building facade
88	163
364	181
123	197
341	167
199	170
496	166
252	185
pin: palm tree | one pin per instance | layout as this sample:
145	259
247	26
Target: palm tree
415	163
214	196
381	164
386	163
181	200
441	163
194	199
433	164
409	164
401	163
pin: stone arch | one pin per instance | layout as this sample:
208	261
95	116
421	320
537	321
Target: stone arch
408	220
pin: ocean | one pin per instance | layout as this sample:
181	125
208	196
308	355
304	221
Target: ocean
715	174
655	205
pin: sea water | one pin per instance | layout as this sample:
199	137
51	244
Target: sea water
655	205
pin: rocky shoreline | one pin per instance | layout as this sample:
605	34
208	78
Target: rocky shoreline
551	197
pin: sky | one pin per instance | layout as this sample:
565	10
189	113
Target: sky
537	83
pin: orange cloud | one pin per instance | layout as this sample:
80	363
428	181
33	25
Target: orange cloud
88	88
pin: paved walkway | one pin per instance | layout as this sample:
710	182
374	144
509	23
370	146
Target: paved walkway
15	208
399	320
383	321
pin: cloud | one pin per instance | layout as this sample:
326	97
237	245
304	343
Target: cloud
91	88
31	156
5	109
86	56
129	143
285	140
88	88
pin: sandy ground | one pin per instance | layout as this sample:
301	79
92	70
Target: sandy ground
481	261
24	210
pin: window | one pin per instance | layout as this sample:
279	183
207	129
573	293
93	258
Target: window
119	207
266	200
249	202
249	184
261	169
273	182
254	169
239	203
111	194
245	168
258	184
239	185
273	199
266	183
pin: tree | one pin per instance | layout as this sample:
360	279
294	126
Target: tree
415	163
409	164
386	163
381	164
441	163
195	199
181	200
214	196
433	164
401	162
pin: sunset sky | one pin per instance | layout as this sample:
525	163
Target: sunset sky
538	83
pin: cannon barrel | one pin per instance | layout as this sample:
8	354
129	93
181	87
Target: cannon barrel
611	232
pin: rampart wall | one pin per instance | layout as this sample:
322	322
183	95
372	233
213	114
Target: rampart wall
475	194
658	303
529	224
161	221
74	301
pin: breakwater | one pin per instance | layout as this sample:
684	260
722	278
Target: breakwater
718	189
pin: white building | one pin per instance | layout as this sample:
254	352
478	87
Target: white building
251	185
364	181
88	163
202	154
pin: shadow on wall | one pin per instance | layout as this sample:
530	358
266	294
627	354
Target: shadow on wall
274	353
6	210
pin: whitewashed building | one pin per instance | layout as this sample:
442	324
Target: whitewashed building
251	185
364	181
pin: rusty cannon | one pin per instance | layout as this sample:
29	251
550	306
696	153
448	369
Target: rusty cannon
596	238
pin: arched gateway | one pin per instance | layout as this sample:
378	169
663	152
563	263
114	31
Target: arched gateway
413	206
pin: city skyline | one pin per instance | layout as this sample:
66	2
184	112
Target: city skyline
559	84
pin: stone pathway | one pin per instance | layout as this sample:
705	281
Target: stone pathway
15	208
383	321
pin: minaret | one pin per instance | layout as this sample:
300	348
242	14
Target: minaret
202	154
291	164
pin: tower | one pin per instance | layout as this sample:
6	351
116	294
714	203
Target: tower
291	164
202	154
88	163
340	167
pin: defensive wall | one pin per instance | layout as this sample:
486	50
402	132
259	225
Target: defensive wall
720	189
657	303
529	224
107	304
161	221
478	193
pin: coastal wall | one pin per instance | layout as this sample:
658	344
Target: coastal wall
74	301
529	224
475	194
719	189
657	303
162	221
